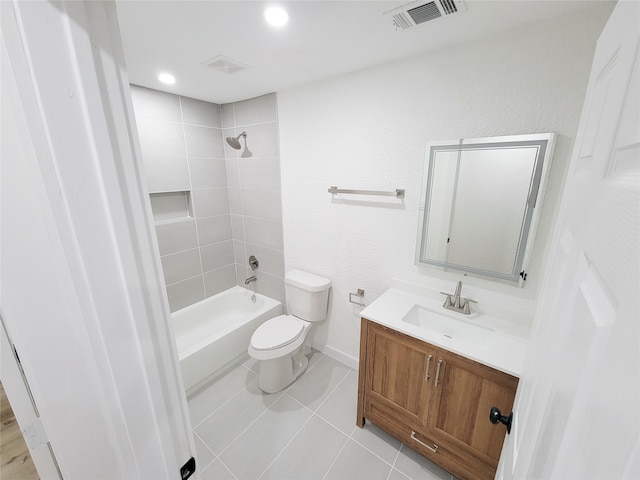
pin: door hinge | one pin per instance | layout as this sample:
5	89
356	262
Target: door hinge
34	434
523	274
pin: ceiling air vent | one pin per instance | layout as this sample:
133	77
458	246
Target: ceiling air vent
417	12
224	64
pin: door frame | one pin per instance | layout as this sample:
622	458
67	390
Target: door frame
83	296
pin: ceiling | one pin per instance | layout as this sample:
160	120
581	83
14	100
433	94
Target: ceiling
322	39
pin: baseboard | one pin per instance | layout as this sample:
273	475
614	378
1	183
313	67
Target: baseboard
338	355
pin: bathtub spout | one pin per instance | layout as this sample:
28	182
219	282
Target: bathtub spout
250	279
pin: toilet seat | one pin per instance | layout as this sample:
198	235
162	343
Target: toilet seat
277	332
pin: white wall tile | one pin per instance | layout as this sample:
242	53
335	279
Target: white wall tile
176	237
154	104
240	252
219	280
210	202
214	229
271	261
185	293
263	232
227	115
208	172
217	255
180	266
259	173
270	285
166	173
262	139
262	204
160	138
203	141
233	175
197	112
256	110
237	227
242	273
235	201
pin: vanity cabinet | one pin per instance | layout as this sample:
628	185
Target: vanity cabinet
435	401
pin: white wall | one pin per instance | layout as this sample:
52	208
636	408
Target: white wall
369	130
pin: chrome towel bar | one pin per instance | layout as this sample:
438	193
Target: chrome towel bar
399	192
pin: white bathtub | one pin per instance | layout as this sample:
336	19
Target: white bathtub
215	331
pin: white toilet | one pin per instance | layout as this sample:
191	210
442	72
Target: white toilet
277	343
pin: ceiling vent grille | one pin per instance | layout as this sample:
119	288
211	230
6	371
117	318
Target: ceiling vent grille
224	64
417	12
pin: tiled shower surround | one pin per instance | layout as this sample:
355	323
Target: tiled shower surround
212	208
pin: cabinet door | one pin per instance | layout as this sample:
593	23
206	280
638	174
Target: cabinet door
399	373
463	394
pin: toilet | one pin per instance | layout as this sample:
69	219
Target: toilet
277	343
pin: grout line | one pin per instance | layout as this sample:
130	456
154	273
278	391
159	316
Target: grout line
215	457
231	398
331	392
393	465
335	459
180	281
292	437
252	423
186	250
227	468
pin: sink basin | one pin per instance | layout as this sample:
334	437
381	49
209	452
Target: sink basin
450	328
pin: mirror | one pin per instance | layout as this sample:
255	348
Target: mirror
480	202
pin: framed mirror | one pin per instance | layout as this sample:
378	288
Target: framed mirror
480	202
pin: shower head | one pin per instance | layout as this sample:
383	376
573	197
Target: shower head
234	142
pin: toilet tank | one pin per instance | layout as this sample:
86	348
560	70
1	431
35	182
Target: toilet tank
307	295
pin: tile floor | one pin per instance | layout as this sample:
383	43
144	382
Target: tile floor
307	431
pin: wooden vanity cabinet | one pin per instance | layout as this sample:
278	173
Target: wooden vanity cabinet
433	400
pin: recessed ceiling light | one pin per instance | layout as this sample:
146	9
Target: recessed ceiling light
276	16
167	78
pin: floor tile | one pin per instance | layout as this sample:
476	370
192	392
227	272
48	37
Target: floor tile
204	456
217	471
340	407
357	463
415	466
314	356
317	383
378	441
252	364
221	428
252	452
310	453
209	398
397	475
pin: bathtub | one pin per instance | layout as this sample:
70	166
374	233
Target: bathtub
215	331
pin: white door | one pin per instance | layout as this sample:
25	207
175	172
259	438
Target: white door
576	413
81	292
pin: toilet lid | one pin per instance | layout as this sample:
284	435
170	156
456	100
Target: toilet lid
277	332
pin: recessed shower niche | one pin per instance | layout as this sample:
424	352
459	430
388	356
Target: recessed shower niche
171	206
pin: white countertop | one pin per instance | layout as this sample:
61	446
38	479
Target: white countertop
505	350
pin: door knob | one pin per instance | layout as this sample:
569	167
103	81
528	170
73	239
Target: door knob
496	417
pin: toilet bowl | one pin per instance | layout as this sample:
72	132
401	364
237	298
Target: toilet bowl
277	343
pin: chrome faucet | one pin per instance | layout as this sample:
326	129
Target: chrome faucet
456	303
252	278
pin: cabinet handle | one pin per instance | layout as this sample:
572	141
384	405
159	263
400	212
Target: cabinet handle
434	449
426	373
438	371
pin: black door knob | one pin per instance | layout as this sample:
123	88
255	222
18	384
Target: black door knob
496	417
